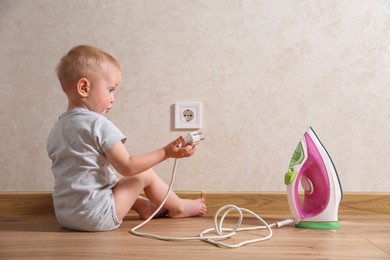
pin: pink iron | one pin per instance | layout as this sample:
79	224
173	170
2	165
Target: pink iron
312	166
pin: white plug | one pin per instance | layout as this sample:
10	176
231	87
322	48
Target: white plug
192	138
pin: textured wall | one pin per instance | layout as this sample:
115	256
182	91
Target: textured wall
264	70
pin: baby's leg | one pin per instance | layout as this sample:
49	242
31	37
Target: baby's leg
127	190
177	207
126	195
145	208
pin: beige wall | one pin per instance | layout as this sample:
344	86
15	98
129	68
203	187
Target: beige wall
264	70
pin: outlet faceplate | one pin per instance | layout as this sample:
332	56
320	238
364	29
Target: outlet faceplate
188	115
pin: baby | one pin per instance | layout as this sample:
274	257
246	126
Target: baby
87	150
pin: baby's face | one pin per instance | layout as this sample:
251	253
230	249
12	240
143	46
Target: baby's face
102	89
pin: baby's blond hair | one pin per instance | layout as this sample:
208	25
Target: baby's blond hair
82	61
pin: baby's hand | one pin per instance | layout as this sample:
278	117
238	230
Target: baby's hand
174	149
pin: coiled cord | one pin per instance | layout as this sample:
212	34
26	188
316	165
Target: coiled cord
222	232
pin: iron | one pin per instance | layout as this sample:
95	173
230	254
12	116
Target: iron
312	167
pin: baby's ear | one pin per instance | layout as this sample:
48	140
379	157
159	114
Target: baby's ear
83	87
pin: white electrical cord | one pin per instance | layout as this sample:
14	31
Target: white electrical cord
222	232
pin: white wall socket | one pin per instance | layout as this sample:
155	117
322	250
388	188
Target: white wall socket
188	115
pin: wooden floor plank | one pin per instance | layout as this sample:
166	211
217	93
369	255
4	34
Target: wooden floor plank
28	229
40	237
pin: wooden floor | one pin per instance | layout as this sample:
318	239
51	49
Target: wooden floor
40	237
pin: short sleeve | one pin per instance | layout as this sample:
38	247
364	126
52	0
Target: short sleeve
107	134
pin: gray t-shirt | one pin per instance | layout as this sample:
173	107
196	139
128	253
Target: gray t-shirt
84	178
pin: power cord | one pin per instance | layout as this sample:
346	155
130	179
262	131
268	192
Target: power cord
195	138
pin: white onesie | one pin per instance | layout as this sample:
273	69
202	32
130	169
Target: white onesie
84	179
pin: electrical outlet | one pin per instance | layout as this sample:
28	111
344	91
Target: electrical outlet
188	115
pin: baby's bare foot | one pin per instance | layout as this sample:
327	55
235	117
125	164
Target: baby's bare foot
189	208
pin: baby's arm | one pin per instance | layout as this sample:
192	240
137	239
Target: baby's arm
128	165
